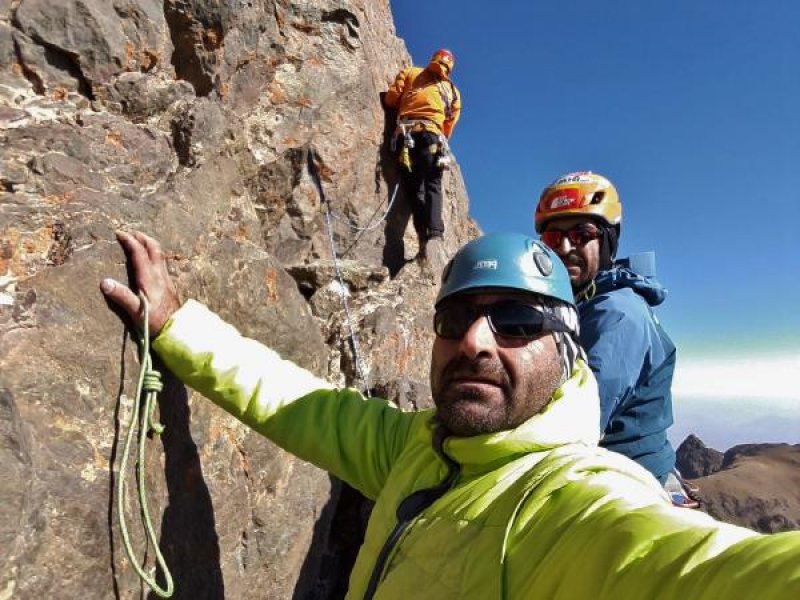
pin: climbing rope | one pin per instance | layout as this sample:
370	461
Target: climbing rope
314	172
372	225
149	382
334	215
363	230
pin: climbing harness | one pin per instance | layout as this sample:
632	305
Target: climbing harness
447	99
405	127
150	382
315	176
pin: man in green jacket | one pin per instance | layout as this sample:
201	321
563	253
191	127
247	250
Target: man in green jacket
501	491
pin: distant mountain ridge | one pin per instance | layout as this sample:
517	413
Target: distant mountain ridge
753	485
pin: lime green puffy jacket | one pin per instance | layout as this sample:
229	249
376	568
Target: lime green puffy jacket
538	512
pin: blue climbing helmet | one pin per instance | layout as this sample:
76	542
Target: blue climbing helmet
506	261
517	263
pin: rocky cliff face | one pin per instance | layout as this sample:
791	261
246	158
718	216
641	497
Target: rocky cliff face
754	485
192	120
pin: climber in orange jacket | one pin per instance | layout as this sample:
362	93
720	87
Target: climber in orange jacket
428	106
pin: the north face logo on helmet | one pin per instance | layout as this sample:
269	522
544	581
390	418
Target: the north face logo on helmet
560	202
561	199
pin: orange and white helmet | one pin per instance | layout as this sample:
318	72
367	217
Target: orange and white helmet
582	193
445	58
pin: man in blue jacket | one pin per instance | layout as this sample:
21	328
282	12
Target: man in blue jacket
579	216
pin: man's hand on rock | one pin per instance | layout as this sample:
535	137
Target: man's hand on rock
150	277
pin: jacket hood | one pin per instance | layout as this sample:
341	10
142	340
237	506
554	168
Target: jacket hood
572	417
622	277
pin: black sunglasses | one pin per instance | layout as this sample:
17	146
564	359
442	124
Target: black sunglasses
507	318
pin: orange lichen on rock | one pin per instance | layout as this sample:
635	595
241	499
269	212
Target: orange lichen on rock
59	199
271	280
130	55
277	93
114	138
22	253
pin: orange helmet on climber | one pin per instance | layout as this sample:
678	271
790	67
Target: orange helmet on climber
580	194
444	59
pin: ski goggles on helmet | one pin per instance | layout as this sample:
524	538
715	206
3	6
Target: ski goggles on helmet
507	318
580	235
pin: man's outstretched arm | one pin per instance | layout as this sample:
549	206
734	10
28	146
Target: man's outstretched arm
338	430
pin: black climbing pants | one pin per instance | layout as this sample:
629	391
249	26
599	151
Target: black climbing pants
423	185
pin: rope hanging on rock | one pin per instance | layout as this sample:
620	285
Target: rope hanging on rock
372	225
359	229
314	172
149	382
362	230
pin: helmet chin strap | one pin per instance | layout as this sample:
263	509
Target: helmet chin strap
608	251
585	291
608	247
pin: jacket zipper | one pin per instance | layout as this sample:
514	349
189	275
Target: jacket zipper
410	508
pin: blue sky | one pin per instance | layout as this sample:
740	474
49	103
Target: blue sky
693	110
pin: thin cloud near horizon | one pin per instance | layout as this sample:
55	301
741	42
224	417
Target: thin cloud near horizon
762	379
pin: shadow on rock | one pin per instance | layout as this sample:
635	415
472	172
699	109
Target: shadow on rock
189	539
112	476
338	535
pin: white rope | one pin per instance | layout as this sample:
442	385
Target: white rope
371	226
353	336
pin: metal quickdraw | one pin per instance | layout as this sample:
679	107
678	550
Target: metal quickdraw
445	159
408	143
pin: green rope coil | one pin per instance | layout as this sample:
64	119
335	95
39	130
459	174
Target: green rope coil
150	383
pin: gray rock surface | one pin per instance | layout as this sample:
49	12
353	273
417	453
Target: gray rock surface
192	120
694	459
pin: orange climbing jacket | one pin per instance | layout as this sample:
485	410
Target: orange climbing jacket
420	95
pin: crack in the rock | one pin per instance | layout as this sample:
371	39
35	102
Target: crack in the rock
61	59
31	75
279	21
244	537
343	17
189	38
62	247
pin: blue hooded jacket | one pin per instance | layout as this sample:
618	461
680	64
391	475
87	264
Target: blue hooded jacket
633	360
